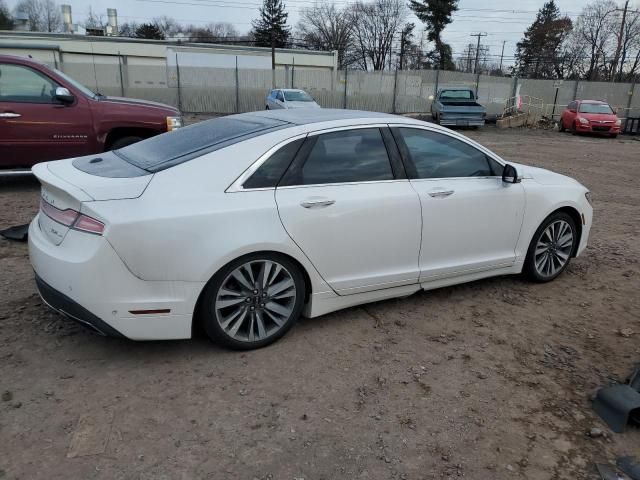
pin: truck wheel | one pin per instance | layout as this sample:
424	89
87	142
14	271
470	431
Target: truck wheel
438	118
123	142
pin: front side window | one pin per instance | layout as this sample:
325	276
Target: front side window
436	155
280	96
24	85
595	108
346	156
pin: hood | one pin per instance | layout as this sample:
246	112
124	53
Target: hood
143	103
542	175
601	117
302	105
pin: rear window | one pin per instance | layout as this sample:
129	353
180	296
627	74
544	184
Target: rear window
169	149
456	95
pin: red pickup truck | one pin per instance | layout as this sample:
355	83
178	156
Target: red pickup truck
46	115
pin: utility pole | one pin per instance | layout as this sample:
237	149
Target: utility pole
402	36
273	60
616	57
479	35
502	55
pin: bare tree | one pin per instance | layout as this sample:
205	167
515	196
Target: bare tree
94	20
325	27
212	33
42	15
595	29
375	25
629	47
168	26
128	29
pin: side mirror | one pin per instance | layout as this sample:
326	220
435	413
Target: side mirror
510	174
64	95
431	97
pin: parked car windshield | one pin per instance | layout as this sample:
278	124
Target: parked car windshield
173	148
297	96
75	83
456	95
595	108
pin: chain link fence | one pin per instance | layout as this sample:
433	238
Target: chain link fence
229	90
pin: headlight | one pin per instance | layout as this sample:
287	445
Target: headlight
587	195
173	123
618	122
583	121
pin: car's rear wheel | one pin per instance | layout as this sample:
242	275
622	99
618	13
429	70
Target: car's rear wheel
124	142
551	248
253	301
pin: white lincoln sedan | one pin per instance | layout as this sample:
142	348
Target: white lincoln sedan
243	223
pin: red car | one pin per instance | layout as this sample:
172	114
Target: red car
46	115
590	116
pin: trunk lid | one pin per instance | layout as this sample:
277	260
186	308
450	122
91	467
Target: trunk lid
65	188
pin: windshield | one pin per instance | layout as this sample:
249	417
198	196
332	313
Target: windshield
75	83
297	96
595	108
456	95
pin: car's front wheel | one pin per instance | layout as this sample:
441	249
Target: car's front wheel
551	248
253	301
561	126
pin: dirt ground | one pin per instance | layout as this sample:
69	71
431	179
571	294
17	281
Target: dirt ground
488	380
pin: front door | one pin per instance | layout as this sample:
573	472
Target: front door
350	213
35	126
471	219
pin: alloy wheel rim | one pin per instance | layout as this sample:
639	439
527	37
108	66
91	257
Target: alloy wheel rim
553	249
255	300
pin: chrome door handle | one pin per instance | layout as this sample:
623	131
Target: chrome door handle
317	203
441	193
9	115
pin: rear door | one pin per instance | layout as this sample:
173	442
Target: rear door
348	205
35	126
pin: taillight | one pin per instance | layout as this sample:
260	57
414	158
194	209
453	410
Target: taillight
72	218
88	224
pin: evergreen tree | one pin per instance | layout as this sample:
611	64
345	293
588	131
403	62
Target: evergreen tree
150	31
6	23
272	25
436	15
538	54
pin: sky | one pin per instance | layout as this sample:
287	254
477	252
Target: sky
501	20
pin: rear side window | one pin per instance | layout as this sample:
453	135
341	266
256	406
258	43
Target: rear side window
346	156
436	155
164	151
271	171
22	84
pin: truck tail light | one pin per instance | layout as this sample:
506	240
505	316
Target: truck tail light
72	218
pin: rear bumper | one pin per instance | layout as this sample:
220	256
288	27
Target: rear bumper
73	310
86	280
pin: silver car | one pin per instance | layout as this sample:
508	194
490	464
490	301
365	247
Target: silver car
288	98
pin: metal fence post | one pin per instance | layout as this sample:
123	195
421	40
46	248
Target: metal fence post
237	88
575	90
630	100
293	73
346	82
435	92
178	79
121	75
477	83
395	88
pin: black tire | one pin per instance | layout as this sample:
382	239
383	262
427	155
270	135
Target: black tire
529	270
614	135
573	129
124	142
209	315
266	107
561	127
438	118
